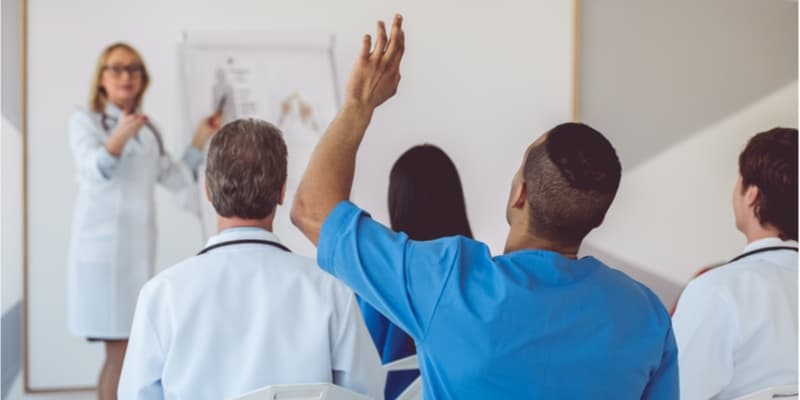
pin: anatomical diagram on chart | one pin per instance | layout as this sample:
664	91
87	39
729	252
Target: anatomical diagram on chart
285	79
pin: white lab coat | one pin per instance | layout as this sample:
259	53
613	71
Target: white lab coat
112	249
736	326
241	317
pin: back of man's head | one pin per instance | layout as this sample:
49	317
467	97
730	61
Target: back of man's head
769	162
246	169
571	179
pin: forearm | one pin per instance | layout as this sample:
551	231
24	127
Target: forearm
116	143
207	128
329	175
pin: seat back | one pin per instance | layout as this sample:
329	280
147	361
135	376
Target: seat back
786	392
315	391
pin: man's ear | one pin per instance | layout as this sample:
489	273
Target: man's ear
519	196
751	195
205	187
283	193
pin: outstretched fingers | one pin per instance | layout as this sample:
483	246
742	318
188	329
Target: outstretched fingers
396	47
375	75
366	44
380	41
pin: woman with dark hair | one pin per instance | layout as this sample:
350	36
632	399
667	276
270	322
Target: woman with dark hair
426	202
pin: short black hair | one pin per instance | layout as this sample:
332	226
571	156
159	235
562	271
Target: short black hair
426	200
572	178
769	162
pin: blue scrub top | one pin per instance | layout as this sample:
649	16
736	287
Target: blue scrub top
529	324
392	344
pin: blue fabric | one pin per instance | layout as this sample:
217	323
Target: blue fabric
529	324
392	344
193	158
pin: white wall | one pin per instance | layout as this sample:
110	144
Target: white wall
474	82
673	215
655	72
11	249
678	87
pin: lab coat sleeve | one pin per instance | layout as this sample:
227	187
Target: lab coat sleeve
175	176
356	365
705	331
144	357
180	178
663	383
192	158
401	278
93	162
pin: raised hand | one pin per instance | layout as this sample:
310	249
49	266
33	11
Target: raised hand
127	126
207	128
376	73
329	175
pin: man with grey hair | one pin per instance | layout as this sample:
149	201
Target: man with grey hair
246	312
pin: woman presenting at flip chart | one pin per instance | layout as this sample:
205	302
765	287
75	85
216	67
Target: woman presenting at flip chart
119	157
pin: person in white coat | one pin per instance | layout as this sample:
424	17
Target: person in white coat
246	312
119	157
736	325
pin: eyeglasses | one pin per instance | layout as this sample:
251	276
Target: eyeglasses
133	70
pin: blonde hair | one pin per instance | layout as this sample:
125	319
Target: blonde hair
98	97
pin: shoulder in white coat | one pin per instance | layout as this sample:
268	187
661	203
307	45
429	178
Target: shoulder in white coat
261	315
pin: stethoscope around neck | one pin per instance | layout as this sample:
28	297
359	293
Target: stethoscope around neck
104	118
762	250
244	241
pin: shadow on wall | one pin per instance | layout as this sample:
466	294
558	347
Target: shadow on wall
666	290
651	73
11	344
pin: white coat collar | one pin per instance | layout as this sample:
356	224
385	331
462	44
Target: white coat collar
768	242
240	233
112	110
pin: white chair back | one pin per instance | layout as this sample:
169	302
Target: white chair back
786	392
316	391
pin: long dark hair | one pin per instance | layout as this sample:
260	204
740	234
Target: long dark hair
426	200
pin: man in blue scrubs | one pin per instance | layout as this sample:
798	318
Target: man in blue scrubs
535	322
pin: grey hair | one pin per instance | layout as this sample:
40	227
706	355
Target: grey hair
246	169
